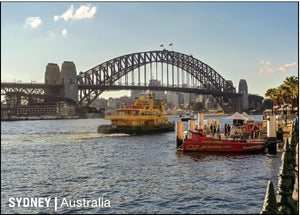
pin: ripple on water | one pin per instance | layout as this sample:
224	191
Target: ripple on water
138	174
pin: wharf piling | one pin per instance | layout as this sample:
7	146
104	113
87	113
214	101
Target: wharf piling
200	120
271	135
287	201
272	147
191	126
179	133
270	204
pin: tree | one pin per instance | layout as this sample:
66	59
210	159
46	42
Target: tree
287	92
291	86
272	94
197	106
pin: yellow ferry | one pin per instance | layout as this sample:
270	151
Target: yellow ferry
145	116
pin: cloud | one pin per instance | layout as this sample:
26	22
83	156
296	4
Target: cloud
33	22
265	66
265	62
83	12
285	67
67	15
64	32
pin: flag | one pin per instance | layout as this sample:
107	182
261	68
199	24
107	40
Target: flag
161	45
170	44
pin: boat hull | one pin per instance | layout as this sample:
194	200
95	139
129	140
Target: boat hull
136	130
215	145
186	119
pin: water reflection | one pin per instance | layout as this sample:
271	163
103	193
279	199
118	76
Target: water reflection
68	158
202	156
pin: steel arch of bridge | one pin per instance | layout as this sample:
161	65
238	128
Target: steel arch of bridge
103	76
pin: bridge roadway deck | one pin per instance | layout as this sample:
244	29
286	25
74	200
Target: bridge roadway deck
123	87
28	85
160	88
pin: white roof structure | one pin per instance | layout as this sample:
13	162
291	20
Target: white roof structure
237	116
250	118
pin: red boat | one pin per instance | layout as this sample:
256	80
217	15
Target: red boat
199	142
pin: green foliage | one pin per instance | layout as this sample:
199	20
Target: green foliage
197	106
287	92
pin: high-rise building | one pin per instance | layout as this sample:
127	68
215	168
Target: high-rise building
172	98
156	93
137	93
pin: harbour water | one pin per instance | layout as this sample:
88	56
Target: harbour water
137	174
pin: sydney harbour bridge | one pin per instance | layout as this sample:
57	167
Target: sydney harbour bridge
160	70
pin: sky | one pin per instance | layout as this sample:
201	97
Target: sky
256	41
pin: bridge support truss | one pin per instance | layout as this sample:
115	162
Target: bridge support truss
196	76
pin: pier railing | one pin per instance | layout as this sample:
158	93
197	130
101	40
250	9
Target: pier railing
285	201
